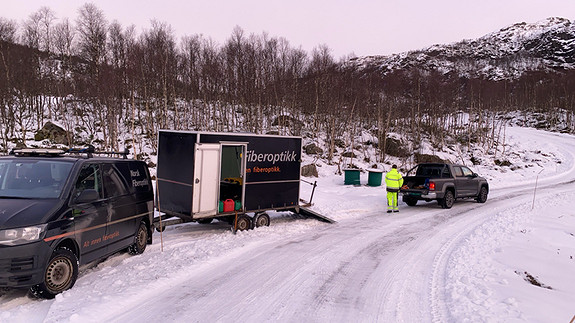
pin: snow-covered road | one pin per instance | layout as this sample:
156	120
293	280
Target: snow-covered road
424	264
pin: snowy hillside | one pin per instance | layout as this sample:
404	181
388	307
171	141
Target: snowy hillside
546	45
508	260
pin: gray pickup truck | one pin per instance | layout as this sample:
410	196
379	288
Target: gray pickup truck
444	183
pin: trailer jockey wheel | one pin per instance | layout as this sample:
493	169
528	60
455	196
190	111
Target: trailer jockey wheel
244	223
261	220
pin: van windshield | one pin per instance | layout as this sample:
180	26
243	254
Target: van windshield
32	178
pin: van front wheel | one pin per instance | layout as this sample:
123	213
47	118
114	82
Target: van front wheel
60	274
141	240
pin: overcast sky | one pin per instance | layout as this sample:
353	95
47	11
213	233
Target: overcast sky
361	27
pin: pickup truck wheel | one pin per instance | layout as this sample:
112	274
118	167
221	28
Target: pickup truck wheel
410	201
448	200
482	196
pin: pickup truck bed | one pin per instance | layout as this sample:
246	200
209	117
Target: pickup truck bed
415	182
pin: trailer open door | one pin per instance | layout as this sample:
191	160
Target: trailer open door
233	173
206	180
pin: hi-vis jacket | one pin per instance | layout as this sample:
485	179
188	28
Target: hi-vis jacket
393	180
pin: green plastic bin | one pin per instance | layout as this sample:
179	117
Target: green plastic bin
351	176
374	177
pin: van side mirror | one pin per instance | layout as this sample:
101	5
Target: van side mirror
87	195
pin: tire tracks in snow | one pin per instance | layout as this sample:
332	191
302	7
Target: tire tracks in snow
506	198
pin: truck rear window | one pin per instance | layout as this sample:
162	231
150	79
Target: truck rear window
433	171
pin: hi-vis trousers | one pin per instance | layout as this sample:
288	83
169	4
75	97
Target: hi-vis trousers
392	201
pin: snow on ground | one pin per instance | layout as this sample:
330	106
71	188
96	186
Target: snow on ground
472	263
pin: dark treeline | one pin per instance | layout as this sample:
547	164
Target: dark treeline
118	88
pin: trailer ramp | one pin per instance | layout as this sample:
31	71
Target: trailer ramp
311	214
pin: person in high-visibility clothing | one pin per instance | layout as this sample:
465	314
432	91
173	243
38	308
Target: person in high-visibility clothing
393	181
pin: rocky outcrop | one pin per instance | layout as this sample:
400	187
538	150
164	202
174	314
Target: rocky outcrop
52	132
309	171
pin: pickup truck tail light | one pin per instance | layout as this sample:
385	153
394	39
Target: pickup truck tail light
431	186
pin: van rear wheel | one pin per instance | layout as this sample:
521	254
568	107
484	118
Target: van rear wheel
141	240
60	274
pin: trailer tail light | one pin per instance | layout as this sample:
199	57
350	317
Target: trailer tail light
432	186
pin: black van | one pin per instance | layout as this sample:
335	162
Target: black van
59	210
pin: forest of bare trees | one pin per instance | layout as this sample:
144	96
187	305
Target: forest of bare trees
112	87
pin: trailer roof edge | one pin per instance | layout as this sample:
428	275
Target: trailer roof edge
228	133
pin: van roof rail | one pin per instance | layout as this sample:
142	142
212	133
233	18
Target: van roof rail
90	151
37	152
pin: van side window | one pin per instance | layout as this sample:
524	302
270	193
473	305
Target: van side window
114	185
3	170
136	176
89	178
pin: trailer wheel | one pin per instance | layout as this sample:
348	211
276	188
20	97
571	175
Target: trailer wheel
205	221
160	228
448	200
262	220
244	223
